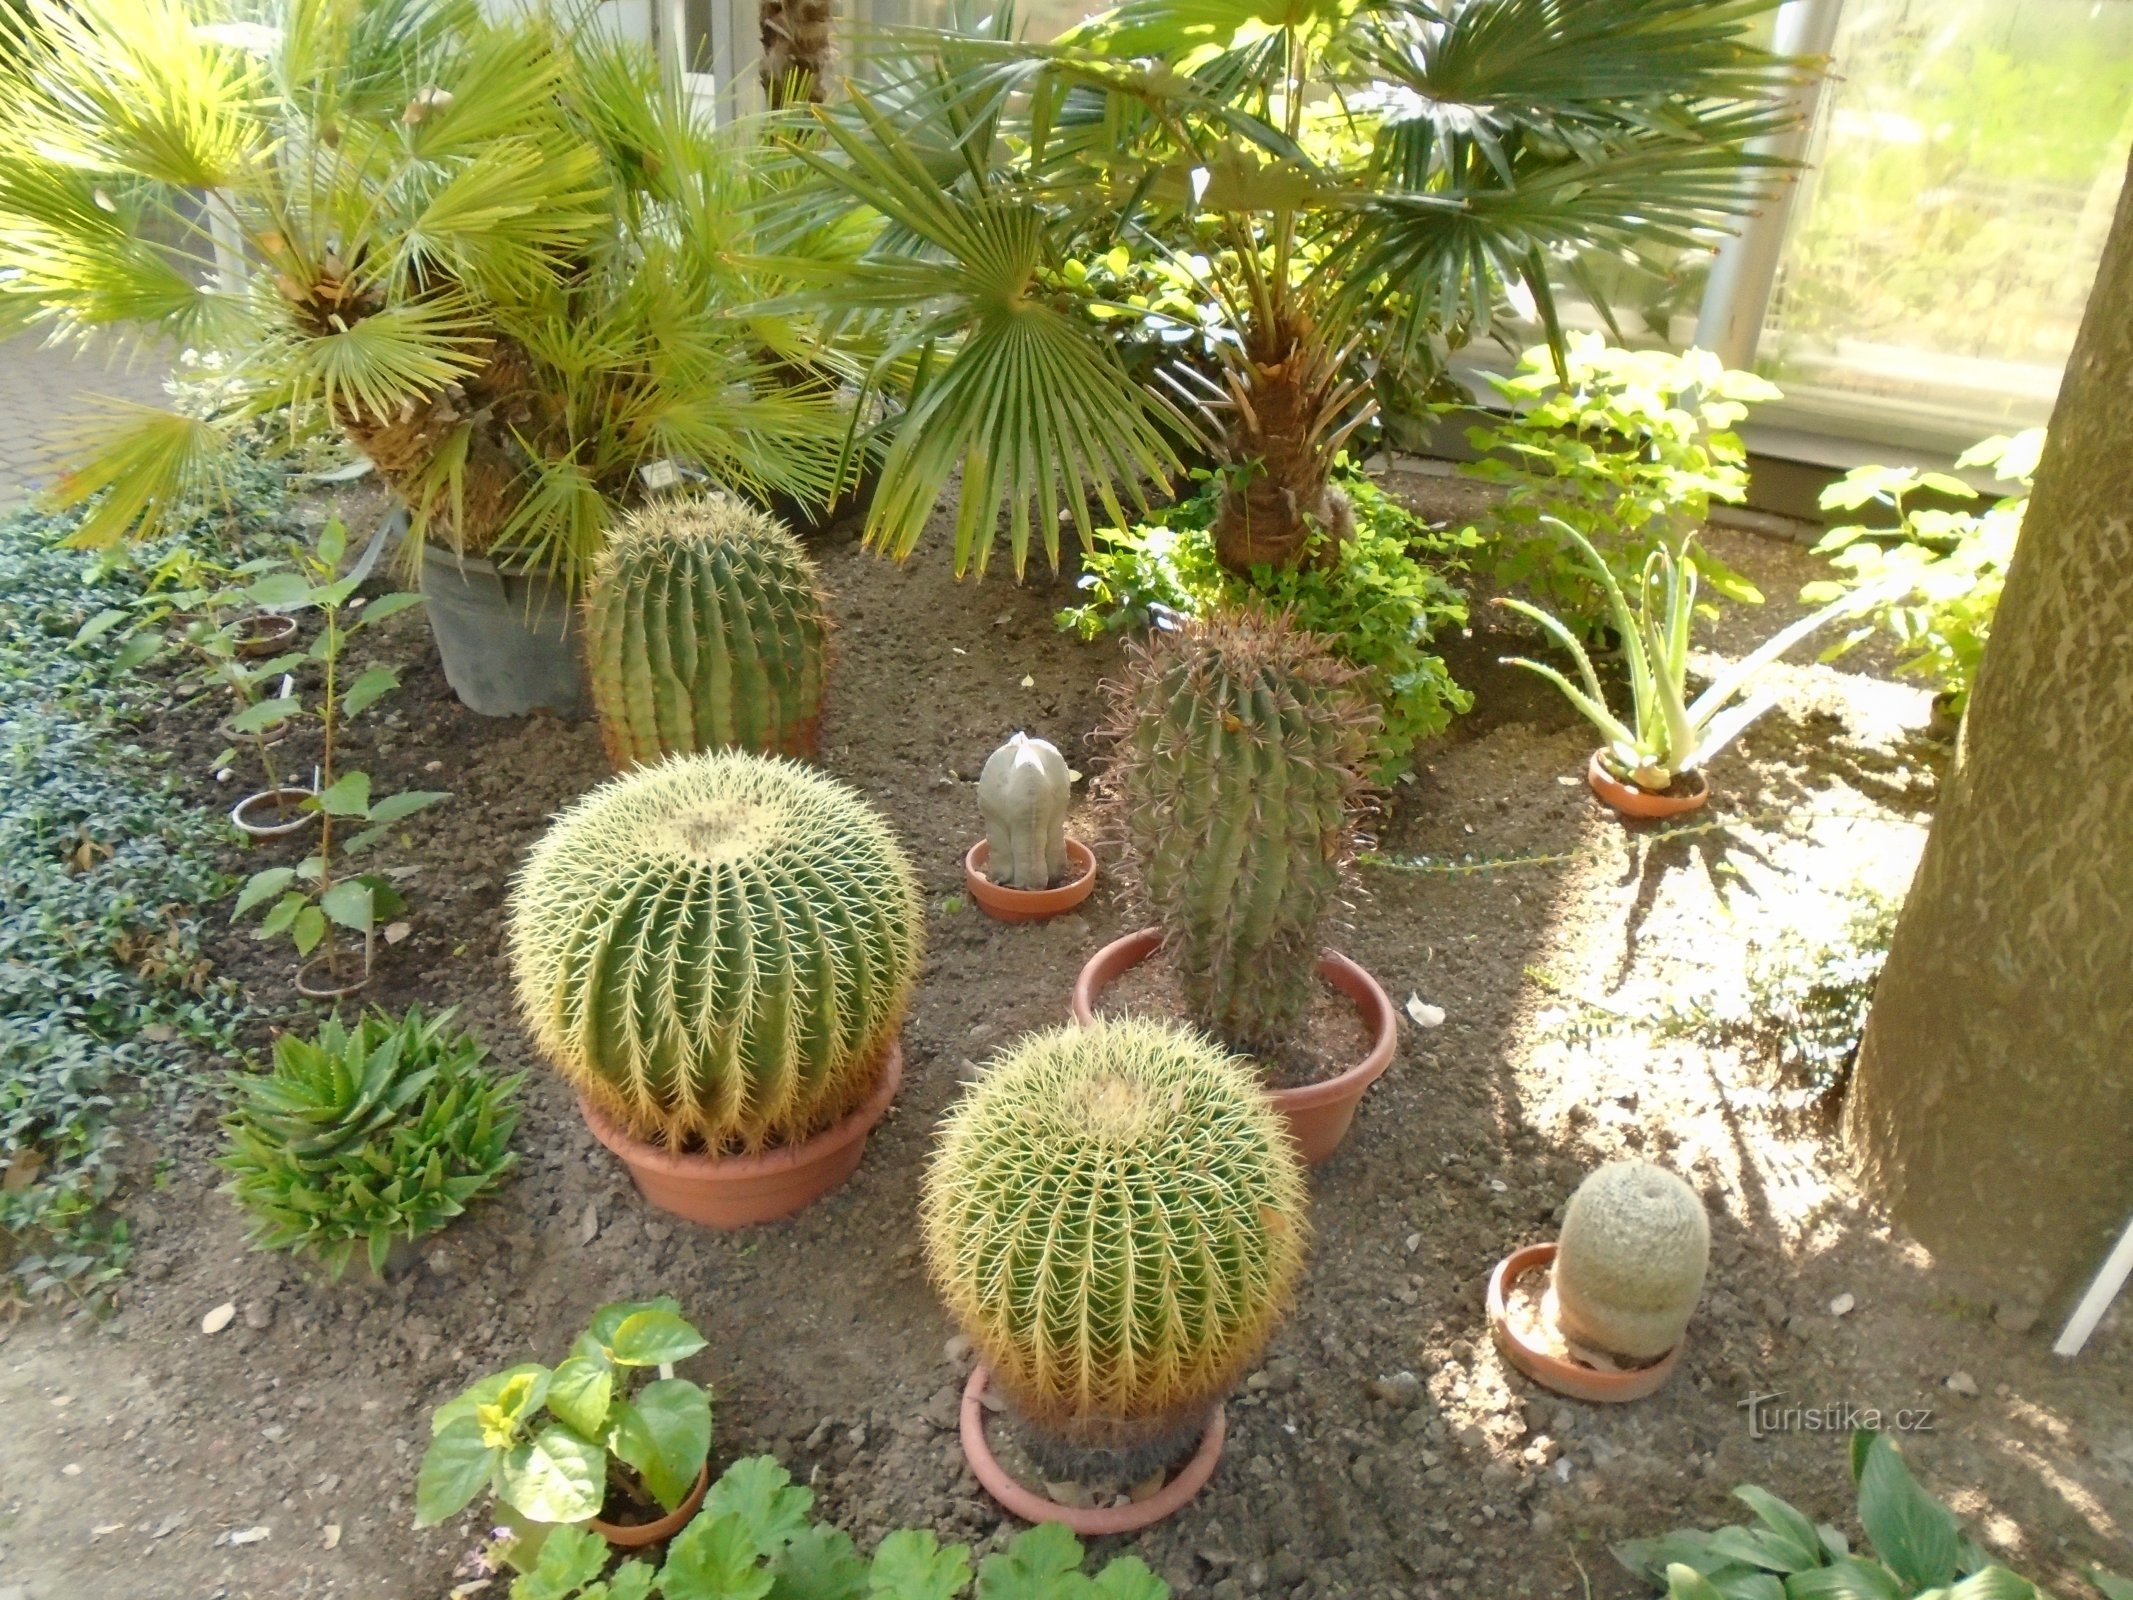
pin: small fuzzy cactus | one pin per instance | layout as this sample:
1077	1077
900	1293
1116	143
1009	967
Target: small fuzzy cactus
1023	794
1115	1215
717	950
1630	1264
705	628
1240	744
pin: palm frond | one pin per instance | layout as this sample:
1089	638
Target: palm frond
395	357
138	464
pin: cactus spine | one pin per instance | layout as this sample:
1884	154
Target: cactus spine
1630	1264
1115	1215
716	951
705	628
1240	744
1023	794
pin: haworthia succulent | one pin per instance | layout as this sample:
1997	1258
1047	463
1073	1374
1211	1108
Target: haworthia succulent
705	628
1115	1214
717	950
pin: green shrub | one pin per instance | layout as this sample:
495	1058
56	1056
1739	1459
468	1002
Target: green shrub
365	1135
1630	450
753	1538
1808	998
1941	571
1379	606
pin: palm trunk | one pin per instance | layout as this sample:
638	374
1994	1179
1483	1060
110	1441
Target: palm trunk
1287	395
798	49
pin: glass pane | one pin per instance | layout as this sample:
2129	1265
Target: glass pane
1962	180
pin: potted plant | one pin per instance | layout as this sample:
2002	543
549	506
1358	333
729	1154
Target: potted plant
705	628
1240	742
1652	765
716	953
1026	868
1115	1217
368	1137
514	266
583	1441
1626	1275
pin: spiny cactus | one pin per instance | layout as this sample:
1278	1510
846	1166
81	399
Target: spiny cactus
1115	1214
705	628
1240	743
1023	794
1630	1263
716	950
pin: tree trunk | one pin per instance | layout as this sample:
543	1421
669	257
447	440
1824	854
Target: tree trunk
1287	392
1992	1107
797	49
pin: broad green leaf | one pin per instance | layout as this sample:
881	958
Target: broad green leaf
665	1433
456	1467
261	715
332	542
655	1335
1686	1583
911	1565
716	1557
530	1380
570	1559
1907	1528
1847	1578
1032	1566
405	804
307	928
141	647
762	1494
369	687
387	605
632	1581
347	796
263	886
99	625
282	916
1994	1583
557	1476
2110	1585
349	904
821	1564
278	591
1128	1578
579	1394
1789	1526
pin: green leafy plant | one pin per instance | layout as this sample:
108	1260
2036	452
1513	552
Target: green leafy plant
1629	448
1378	606
1667	734
550	1442
705	628
1915	1548
1239	743
1115	1216
1937	575
753	1538
505	256
717	951
366	1135
308	901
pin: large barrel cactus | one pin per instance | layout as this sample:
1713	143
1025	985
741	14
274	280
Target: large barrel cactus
1240	743
1629	1266
705	628
716	951
1115	1215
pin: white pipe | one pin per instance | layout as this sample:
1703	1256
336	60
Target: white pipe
2117	1267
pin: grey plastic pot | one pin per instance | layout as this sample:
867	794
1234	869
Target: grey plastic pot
509	639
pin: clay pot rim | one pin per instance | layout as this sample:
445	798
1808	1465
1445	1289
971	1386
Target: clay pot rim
1088	1521
699	1167
360	983
263	633
1568	1378
273	830
1028	905
636	1535
1630	801
1118	957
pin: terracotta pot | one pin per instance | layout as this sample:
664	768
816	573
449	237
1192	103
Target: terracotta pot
315	982
1088	1521
273	802
737	1191
636	1535
999	901
267	634
1630	801
1318	1114
1572	1378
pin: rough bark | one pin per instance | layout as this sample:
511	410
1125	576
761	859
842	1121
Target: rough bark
1992	1107
1287	395
798	49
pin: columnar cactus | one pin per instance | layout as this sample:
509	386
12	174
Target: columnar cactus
705	627
1240	743
1630	1263
1023	794
717	950
1115	1215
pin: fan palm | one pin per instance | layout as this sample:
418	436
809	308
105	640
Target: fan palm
504	258
1349	185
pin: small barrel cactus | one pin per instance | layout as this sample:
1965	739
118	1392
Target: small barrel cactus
705	628
1240	743
1023	794
1115	1214
1630	1264
717	950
